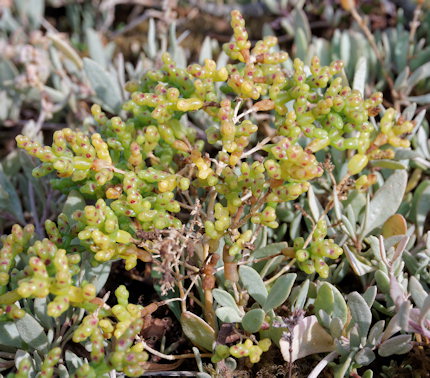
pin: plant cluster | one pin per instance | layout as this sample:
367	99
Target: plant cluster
144	187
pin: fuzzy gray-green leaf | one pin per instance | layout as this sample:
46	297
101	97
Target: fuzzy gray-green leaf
197	330
400	344
301	44
419	74
253	283
386	200
421	205
228	315
9	199
364	356
325	299
360	75
280	291
75	201
417	291
302	295
370	295
375	333
253	320
32	333
9	336
224	299
96	47
269	250
106	88
360	313
388	164
313	204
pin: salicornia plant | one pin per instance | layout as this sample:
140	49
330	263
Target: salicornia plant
145	187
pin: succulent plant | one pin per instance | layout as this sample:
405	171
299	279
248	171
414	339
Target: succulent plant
297	181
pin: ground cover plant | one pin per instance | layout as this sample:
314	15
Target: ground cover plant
287	225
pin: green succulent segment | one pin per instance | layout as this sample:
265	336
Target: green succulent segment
312	259
50	271
240	350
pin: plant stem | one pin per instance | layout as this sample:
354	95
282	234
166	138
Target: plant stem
211	204
285	269
257	147
413	27
169	356
208	285
230	266
322	364
181	289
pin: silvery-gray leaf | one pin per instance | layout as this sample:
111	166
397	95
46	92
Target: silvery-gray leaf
253	283
32	333
401	80
62	371
336	327
386	200
397	345
66	49
96	48
421	100
9	336
295	225
228	315
73	362
364	356
106	88
419	74
152	41
345	48
40	311
421	205
273	6
280	291
269	250
197	330
401	50
9	199
302	295
370	295
301	21
205	50
34	13
375	333
425	309
360	75
224	298
314	204
360	313
418	120
253	320
417	291
230	363
359	267
301	44
97	275
324	319
347	226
